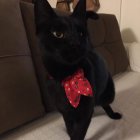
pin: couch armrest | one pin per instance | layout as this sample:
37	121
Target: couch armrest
133	51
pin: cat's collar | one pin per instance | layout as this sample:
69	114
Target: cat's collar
76	85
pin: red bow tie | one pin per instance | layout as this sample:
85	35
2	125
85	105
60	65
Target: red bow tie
75	86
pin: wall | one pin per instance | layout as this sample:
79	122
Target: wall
127	13
111	7
52	3
130	20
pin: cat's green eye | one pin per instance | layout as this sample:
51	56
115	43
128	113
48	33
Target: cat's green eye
58	34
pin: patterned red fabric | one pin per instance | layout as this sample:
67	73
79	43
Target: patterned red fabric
75	86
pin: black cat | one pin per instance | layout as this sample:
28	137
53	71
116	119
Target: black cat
65	49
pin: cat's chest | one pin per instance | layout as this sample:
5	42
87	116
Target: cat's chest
59	71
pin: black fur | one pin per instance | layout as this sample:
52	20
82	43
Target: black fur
65	48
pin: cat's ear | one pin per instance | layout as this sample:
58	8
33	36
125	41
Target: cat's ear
80	10
43	13
92	15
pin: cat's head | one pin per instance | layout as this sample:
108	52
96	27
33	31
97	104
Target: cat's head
63	38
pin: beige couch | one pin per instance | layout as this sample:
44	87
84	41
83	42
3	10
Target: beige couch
22	81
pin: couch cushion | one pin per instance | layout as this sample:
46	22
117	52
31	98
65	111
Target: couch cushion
20	99
106	38
28	17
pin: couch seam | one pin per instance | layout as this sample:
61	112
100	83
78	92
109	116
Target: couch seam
18	55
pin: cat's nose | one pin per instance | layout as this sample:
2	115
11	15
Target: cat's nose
75	43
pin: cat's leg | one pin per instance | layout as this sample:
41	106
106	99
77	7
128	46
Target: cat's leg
69	123
107	98
113	115
81	127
